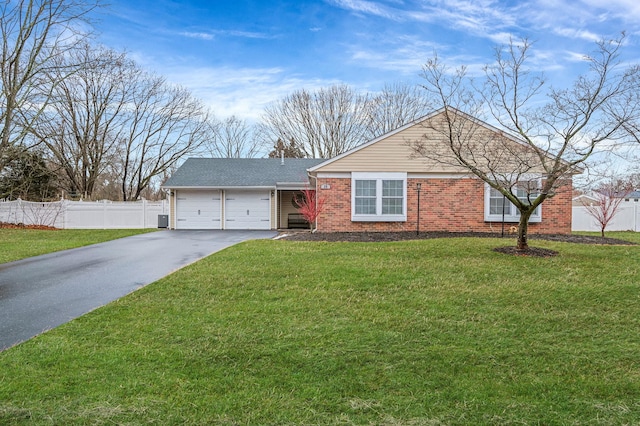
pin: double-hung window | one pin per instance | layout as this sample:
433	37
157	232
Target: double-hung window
498	206
365	196
379	197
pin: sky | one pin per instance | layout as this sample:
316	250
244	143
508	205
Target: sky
240	55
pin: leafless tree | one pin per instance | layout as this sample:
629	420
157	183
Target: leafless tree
551	139
396	105
164	124
233	138
87	115
34	33
324	123
608	196
114	124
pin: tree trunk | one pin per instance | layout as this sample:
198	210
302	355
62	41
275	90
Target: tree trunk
523	229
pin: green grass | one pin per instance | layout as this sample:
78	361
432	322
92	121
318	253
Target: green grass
422	332
18	244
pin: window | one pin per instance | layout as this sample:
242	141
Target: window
392	196
494	202
379	197
365	197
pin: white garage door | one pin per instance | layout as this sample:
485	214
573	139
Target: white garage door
247	210
198	209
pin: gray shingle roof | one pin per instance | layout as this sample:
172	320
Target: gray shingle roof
633	194
239	172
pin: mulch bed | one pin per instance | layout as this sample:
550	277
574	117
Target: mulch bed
403	236
23	226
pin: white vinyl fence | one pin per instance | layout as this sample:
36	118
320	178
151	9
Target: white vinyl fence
626	219
67	214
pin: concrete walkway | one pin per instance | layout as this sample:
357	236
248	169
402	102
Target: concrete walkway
43	292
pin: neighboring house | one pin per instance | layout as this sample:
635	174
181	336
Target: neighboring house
585	200
633	196
594	199
373	187
230	193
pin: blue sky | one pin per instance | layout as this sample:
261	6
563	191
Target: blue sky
240	55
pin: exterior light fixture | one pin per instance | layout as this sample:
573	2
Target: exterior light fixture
418	187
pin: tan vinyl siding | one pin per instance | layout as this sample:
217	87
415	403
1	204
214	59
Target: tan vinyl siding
395	151
172	210
286	207
273	202
390	154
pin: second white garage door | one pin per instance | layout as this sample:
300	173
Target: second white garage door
247	209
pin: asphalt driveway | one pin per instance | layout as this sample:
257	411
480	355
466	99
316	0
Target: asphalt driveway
43	292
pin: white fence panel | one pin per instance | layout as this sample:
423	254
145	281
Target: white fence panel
32	213
152	210
84	214
626	219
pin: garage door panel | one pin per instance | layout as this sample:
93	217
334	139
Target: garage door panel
198	210
248	210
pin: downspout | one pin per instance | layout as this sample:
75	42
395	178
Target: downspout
315	185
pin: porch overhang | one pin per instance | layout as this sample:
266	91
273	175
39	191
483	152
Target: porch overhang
291	186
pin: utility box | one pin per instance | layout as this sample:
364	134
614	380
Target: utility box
163	221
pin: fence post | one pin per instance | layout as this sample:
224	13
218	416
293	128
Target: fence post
144	213
63	205
20	211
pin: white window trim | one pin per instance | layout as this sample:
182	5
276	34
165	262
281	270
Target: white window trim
378	177
536	217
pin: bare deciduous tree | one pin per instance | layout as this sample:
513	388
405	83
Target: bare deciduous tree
34	33
396	105
112	124
233	138
164	124
324	123
608	197
87	115
552	138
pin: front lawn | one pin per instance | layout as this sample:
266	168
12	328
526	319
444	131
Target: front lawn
441	331
18	244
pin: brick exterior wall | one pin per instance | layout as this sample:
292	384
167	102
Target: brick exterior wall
454	205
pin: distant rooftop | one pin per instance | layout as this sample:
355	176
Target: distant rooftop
633	194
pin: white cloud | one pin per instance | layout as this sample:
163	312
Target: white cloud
243	92
574	33
501	38
367	7
588	20
400	53
201	36
245	34
230	33
627	10
575	56
485	18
